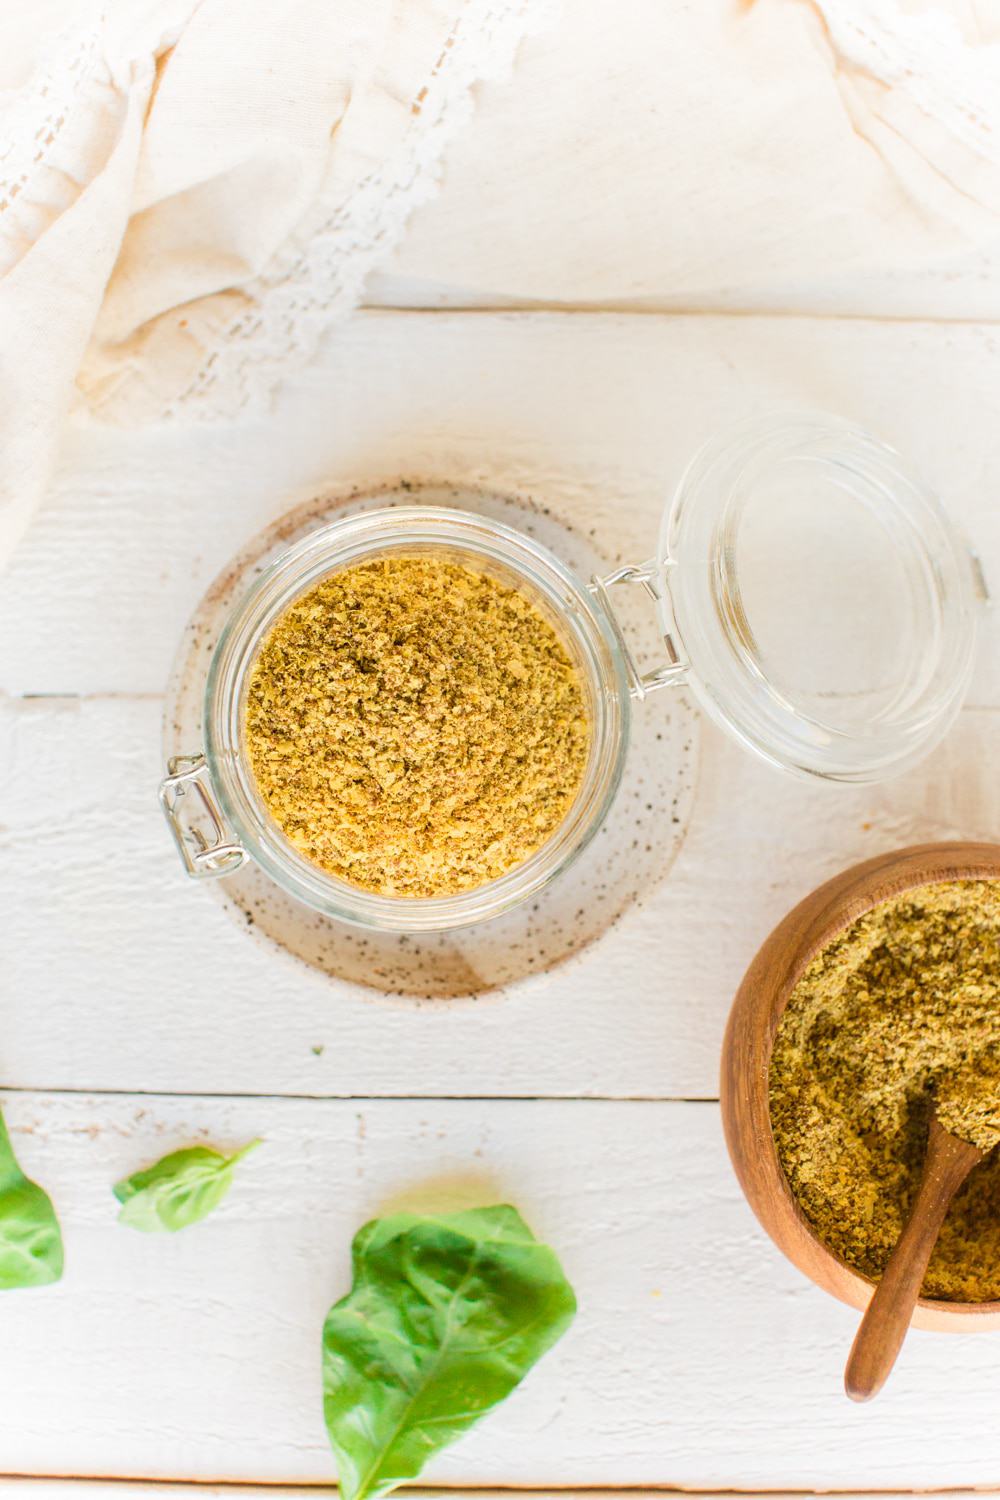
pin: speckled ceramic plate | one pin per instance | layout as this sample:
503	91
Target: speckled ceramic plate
632	852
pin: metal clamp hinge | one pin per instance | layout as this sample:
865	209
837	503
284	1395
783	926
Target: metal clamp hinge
219	853
649	578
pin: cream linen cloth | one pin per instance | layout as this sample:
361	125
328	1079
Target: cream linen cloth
837	157
190	193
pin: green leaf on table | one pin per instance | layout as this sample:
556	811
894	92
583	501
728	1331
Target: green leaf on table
178	1190
31	1247
446	1316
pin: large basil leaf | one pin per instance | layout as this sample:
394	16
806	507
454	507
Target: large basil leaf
178	1190
445	1317
31	1248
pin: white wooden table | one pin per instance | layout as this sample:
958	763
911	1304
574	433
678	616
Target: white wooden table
137	1017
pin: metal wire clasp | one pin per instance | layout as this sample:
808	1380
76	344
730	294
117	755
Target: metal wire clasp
649	576
218	854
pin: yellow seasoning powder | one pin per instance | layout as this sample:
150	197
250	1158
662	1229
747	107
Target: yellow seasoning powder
415	727
899	1016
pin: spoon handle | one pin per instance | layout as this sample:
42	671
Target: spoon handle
883	1327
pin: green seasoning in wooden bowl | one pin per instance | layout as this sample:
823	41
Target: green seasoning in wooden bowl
897	1016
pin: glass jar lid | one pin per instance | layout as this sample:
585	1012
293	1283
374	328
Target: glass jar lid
820	598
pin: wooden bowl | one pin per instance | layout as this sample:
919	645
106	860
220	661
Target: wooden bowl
746	1059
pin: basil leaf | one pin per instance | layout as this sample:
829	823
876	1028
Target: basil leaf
178	1190
31	1247
445	1317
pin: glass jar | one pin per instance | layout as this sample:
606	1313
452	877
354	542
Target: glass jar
809	591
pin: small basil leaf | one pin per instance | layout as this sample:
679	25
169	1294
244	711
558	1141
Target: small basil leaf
178	1190
31	1248
445	1317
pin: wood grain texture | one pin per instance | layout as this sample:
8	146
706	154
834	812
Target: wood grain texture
197	1355
119	973
28	1488
746	1055
889	1313
598	415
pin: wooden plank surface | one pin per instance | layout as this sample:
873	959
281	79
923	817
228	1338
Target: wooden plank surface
121	974
596	415
37	1488
197	1355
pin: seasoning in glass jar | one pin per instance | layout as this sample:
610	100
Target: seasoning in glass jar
415	727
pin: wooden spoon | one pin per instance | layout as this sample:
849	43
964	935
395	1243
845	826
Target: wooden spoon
883	1327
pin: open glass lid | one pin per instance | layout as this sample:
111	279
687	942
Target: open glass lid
819	597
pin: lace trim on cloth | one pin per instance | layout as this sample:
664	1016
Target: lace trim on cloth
316	281
36	118
58	129
950	80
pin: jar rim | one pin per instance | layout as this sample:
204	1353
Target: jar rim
412	529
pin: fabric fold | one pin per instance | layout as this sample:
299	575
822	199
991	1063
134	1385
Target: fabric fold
192	193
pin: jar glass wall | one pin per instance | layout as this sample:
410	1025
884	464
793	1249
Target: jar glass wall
487	546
